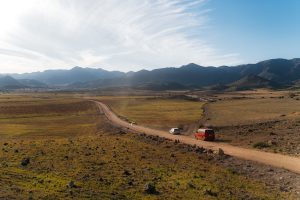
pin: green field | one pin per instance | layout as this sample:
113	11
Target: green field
156	112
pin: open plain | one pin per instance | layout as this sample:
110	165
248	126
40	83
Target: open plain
62	146
156	111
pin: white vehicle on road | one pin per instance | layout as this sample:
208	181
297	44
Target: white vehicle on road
175	131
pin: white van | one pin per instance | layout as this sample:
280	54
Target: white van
175	131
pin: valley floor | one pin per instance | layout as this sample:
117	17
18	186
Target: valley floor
98	161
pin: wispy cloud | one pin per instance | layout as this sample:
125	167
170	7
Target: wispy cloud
112	34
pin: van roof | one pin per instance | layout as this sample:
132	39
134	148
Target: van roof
205	129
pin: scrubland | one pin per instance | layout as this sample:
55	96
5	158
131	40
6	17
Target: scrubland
63	148
248	111
266	120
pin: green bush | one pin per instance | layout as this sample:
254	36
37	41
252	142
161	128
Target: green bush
261	145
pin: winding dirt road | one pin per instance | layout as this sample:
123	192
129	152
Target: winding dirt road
276	160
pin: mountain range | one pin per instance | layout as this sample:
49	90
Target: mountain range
270	73
10	83
65	77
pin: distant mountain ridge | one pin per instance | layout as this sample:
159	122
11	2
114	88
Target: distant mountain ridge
9	83
65	77
269	73
275	73
277	70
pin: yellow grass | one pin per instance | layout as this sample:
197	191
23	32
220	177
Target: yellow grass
97	165
97	162
55	116
247	111
156	112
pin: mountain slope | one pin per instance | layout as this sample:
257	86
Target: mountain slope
32	83
251	82
279	70
7	82
64	77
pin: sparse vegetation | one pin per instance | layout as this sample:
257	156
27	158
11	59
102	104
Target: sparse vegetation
245	118
261	145
292	95
55	116
249	111
156	112
96	164
96	161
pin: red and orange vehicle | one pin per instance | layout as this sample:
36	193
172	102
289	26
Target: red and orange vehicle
205	134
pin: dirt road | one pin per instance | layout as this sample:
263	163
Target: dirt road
276	160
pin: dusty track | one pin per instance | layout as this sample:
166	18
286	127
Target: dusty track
276	160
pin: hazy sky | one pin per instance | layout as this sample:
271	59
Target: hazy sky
125	35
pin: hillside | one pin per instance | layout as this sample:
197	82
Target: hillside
7	82
32	83
251	82
64	77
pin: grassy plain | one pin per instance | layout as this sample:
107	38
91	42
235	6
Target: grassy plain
250	118
22	115
156	112
72	142
249	111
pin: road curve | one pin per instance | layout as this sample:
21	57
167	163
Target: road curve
276	160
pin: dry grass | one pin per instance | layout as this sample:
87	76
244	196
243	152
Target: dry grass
248	111
156	112
55	116
258	93
97	165
78	145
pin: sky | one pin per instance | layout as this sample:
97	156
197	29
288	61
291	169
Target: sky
36	35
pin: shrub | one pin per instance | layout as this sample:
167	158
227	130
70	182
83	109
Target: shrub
292	95
261	145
